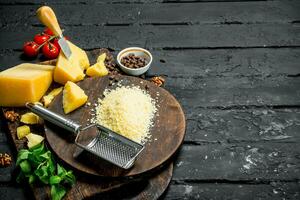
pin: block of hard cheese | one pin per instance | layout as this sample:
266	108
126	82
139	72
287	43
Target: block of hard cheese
71	69
24	83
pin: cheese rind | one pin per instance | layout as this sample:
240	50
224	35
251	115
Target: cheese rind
71	69
73	97
49	97
24	83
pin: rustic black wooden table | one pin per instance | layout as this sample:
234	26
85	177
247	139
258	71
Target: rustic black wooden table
233	65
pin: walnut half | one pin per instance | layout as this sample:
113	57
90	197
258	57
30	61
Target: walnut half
5	160
11	115
158	80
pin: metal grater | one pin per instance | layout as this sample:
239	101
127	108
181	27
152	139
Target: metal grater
104	142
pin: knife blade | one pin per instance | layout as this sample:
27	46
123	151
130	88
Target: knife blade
47	16
65	47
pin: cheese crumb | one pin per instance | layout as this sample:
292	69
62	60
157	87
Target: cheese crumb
128	111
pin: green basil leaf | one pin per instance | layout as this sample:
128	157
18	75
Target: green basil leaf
54	180
35	160
25	166
60	170
22	155
31	179
38	149
42	174
46	155
51	167
37	164
70	178
57	192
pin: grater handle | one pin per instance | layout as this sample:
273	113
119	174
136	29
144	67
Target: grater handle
54	118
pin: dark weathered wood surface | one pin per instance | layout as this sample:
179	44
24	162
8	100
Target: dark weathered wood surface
232	64
166	36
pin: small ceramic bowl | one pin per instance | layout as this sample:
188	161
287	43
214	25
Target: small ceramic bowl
137	51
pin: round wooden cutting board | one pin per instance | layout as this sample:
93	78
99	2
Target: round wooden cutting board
166	135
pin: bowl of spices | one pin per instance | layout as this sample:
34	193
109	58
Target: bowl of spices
134	60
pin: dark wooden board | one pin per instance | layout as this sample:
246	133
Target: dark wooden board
80	2
239	190
265	62
165	36
6	173
222	92
166	135
242	125
148	190
159	14
274	190
248	162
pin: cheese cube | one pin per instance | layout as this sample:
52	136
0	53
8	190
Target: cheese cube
30	118
73	97
97	69
101	58
33	140
22	131
24	83
71	69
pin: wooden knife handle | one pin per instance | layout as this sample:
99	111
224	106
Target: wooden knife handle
47	16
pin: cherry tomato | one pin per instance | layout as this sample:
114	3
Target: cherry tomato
48	31
55	43
31	49
41	38
50	51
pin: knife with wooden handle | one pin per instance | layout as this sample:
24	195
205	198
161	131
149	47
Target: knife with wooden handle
48	18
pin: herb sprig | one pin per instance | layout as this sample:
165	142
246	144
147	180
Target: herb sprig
37	165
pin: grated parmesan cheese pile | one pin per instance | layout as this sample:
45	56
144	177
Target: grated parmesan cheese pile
128	111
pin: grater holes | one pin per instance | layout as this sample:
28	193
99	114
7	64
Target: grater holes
113	150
